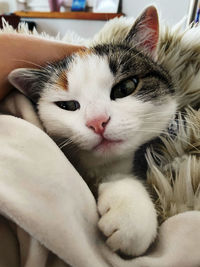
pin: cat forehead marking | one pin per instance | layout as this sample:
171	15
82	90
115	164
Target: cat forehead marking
62	81
84	52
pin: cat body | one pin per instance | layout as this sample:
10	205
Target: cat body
104	103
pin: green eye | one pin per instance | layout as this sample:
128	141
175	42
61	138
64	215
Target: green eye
124	88
68	105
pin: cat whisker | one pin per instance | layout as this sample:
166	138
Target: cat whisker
151	114
192	126
169	136
64	144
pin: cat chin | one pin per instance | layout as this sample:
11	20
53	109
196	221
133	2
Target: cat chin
107	152
106	145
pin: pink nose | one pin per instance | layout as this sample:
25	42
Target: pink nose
98	124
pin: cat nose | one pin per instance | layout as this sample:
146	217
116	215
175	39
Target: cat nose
98	124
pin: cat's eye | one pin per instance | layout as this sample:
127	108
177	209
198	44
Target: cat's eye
124	88
68	105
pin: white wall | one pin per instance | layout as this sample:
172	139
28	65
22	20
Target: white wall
171	11
7	6
84	28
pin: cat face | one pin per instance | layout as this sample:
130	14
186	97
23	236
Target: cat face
107	100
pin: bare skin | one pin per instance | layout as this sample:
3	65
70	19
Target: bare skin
20	51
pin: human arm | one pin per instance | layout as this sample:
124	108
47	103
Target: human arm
18	50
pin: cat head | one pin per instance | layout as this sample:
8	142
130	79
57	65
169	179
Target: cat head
109	99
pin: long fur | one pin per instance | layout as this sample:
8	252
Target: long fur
176	180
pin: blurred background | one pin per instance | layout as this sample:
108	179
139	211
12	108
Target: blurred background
88	17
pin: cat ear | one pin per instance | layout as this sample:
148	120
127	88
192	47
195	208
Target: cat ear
145	32
27	81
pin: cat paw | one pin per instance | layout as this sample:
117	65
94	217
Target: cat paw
128	217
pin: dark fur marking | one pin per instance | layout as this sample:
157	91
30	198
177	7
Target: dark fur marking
38	79
140	165
126	62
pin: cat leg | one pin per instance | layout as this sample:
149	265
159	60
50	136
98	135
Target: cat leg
128	217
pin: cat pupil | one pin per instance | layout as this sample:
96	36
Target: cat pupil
68	105
124	88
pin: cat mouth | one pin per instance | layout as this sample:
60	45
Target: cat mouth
106	143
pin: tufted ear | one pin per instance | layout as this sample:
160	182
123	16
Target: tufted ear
28	81
144	34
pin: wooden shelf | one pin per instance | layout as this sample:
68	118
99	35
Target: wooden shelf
68	15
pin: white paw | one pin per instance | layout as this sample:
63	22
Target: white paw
128	218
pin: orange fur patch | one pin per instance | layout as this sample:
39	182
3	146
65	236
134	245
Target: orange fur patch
85	52
62	81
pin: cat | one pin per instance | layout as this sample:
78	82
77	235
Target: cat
107	101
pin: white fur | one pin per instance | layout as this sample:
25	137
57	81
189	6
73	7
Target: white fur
128	217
